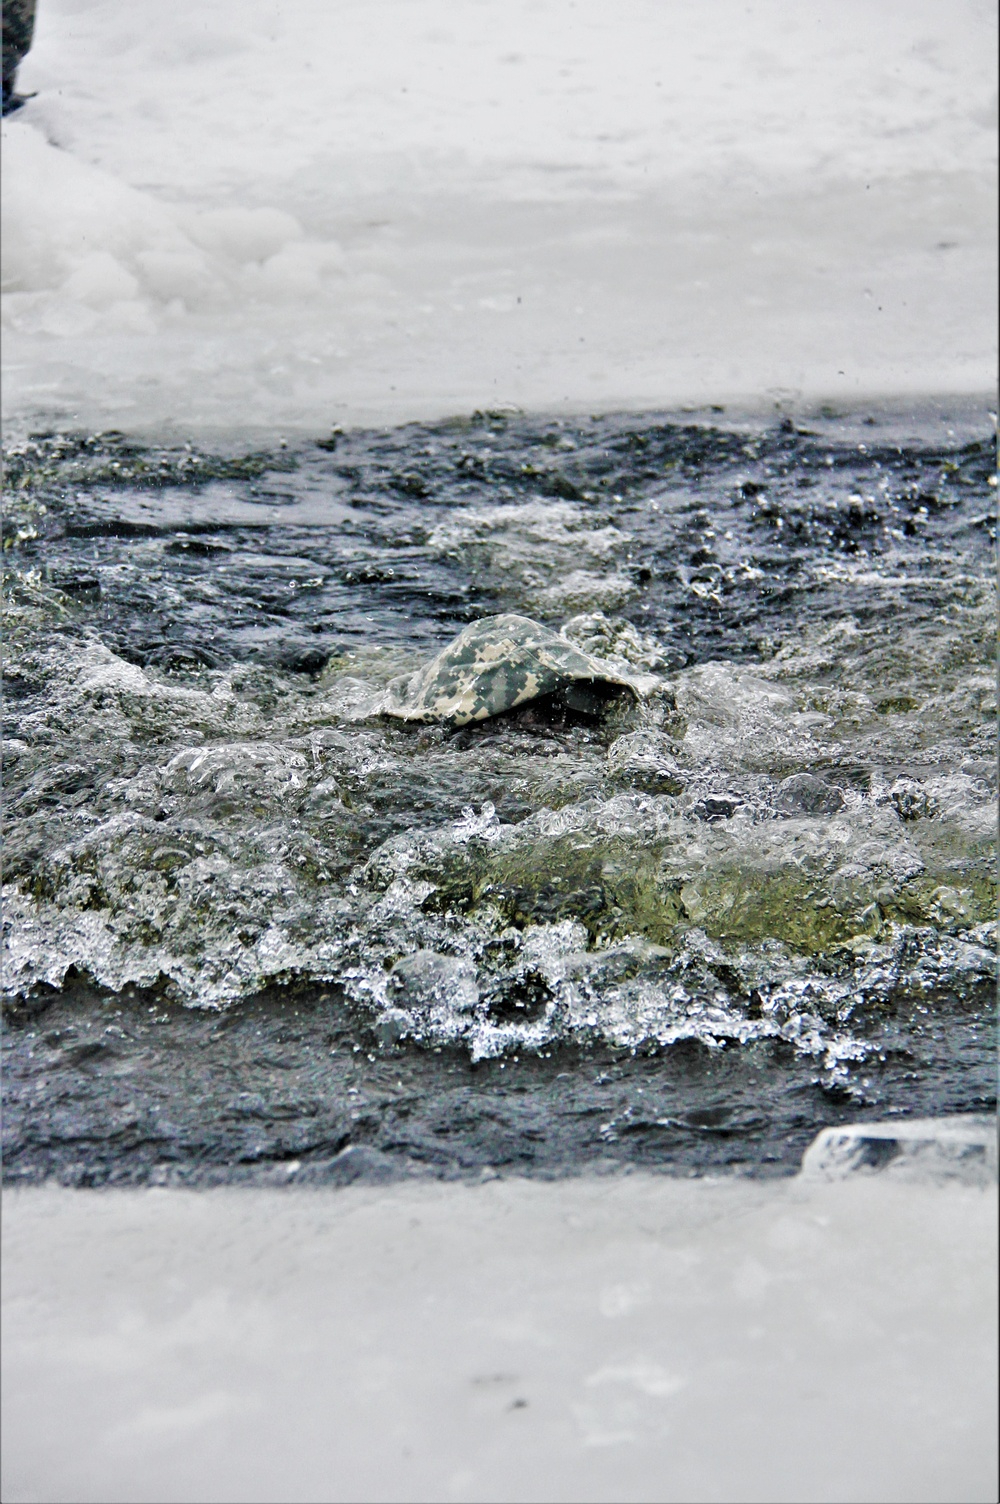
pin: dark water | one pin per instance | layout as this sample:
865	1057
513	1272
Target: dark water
257	931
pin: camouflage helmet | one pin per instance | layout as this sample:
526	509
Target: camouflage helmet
497	664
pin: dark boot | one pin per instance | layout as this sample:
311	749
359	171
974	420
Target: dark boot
11	99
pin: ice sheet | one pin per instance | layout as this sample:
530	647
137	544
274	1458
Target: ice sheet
595	1339
305	214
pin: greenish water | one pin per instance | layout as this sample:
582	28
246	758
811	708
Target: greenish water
686	933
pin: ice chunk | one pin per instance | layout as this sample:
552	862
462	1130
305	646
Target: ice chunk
805	794
644	759
427	978
948	1148
244	234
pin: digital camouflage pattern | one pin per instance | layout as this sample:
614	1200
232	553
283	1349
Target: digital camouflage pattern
497	664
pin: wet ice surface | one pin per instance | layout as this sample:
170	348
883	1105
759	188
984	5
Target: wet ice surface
597	1339
255	931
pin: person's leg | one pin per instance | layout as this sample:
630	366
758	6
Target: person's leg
18	26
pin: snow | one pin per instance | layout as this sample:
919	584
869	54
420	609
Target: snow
287	216
594	1339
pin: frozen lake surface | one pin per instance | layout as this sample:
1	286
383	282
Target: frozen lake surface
379	211
601	1339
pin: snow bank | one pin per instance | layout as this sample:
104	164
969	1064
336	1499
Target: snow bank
84	252
307	213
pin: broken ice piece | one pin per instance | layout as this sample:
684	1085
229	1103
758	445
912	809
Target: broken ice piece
948	1148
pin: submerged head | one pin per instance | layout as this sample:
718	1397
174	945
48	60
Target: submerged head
498	664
